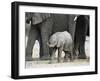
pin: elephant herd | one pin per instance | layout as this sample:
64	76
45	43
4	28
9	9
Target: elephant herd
44	25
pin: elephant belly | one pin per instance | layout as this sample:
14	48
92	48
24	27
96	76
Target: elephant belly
60	23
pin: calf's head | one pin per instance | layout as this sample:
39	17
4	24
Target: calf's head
52	41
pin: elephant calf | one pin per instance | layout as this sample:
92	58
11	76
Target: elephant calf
63	42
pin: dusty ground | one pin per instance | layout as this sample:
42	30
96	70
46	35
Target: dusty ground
36	63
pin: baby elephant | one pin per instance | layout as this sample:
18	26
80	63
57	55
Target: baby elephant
63	42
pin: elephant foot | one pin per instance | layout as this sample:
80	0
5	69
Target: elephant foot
60	61
75	57
45	58
82	57
66	59
28	58
51	61
72	59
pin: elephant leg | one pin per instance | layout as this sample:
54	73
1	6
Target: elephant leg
59	53
50	51
75	50
52	55
66	57
46	29
32	37
82	54
81	31
41	49
71	55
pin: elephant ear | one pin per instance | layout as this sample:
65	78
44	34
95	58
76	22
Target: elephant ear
39	17
60	43
28	16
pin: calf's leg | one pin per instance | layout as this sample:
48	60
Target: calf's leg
60	49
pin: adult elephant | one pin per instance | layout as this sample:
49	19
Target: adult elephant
41	29
81	30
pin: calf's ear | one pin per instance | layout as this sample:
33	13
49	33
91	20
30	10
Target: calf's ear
51	45
59	44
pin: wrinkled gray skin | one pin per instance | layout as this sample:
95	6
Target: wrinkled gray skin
63	42
82	25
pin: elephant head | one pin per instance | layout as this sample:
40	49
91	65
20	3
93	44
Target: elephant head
56	40
56	43
52	41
